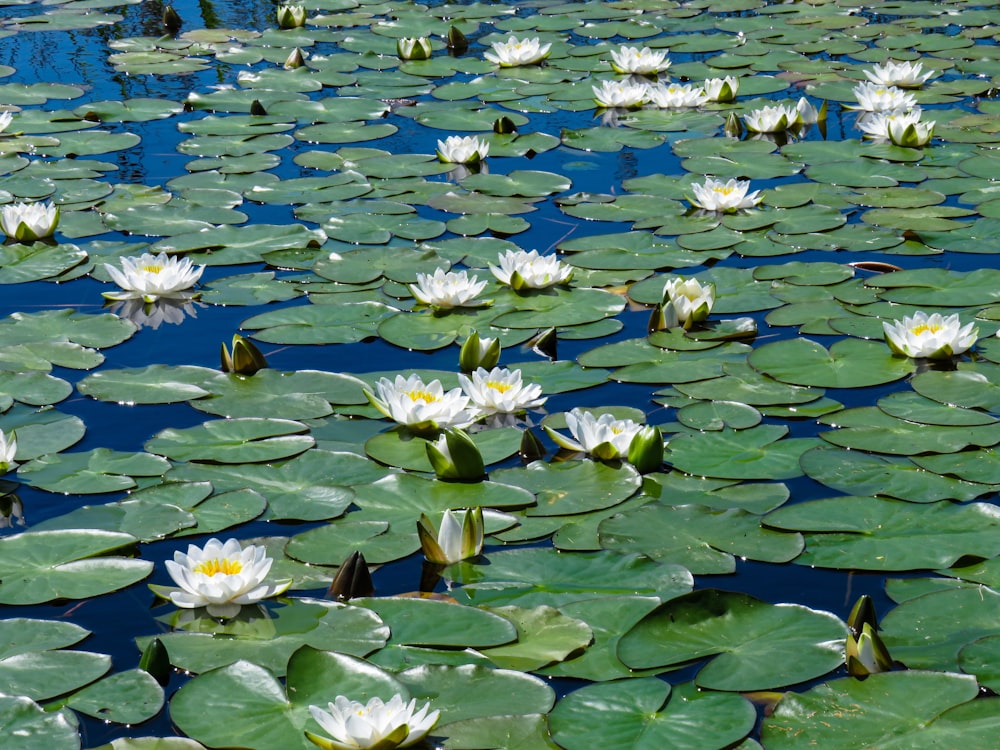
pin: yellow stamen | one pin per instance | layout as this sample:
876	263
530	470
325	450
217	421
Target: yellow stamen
924	328
498	385
152	269
724	189
425	396
215	566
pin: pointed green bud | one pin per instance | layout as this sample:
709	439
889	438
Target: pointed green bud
156	661
478	352
459	537
171	20
246	358
645	452
663	318
457	42
291	16
504	125
455	457
353	579
734	126
531	447
294	60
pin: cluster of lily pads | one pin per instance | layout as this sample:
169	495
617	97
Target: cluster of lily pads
498	546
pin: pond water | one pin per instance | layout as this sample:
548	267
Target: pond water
700	604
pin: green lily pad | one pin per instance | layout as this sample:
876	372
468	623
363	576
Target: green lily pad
73	564
738	631
544	636
22	717
155	384
571	487
305	394
761	452
128	697
91	472
850	363
647	712
426	622
233	441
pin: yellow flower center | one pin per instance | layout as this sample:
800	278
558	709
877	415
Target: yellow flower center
498	385
152	268
724	189
920	330
425	396
215	566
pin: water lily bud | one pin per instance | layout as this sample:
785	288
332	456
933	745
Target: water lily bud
545	343
734	126
171	20
531	447
645	452
246	358
11	510
294	60
257	109
504	125
455	457
291	16
457	43
417	48
352	580
459	537
866	654
478	352
156	662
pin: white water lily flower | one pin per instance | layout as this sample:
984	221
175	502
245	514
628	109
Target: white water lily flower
676	95
500	391
644	62
422	406
5	119
221	577
376	725
27	222
603	437
771	119
522	269
726	197
875	98
905	75
929	336
807	114
444	290
291	16
151	277
8	449
619	94
691	300
463	149
516	52
721	89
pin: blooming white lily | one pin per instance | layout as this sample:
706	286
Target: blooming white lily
619	94
603	437
516	52
910	131
929	336
291	16
422	407
371	726
151	277
675	95
8	449
5	119
644	62
463	149
221	577
459	537
771	119
522	269
725	197
691	300
500	391
27	222
875	98
449	289
721	89
415	48
905	75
